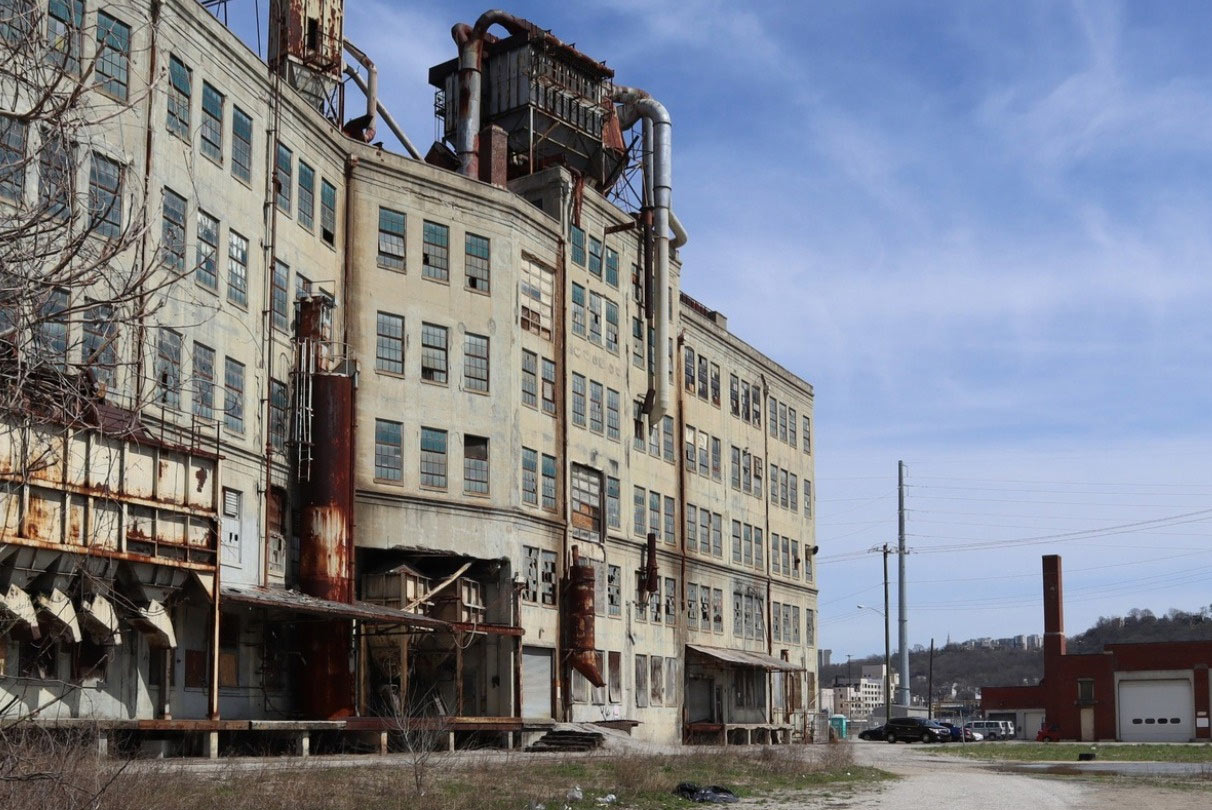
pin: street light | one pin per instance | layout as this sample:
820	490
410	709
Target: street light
887	652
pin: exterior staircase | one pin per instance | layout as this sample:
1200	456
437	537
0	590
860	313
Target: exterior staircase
567	741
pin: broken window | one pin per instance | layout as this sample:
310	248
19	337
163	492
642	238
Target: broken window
477	262
211	127
637	342
586	502
792	422
530	591
688	368
172	232
734	394
433	353
703	378
613	417
757	406
435	256
205	271
279	296
475	464
112	69
595	318
715	385
168	367
595	256
100	349
283	178
691	444
736	467
204	381
237	269
692	606
535	288
547	577
391	239
717	610
807	436
671	601
639	501
233	399
549	375
704	460
612	326
105	197
614	592
776	624
738	614
578	246
578	310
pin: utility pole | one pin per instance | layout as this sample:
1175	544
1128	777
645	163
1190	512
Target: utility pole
902	606
930	685
887	645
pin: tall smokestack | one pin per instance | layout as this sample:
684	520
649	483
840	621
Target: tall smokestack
1054	609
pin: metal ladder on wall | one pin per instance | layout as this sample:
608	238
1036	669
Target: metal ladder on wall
301	422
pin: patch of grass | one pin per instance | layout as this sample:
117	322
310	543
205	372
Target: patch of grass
500	782
1067	752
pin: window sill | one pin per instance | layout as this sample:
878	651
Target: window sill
477	291
445	282
213	160
479	495
382	372
403	271
432	488
477	392
392	482
434	383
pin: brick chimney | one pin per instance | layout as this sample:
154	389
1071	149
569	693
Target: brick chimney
1054	610
494	155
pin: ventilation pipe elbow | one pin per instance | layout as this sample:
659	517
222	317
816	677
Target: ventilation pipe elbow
385	115
370	87
658	188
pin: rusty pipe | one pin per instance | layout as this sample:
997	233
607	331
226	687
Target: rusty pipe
385	115
658	176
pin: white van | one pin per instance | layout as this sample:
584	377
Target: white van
989	729
1008	730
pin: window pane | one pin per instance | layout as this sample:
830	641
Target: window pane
389	347
435	259
391	239
433	458
477	261
388	453
475	362
433	353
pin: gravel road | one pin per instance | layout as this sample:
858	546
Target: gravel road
930	782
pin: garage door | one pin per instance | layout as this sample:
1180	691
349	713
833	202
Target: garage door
1156	711
538	675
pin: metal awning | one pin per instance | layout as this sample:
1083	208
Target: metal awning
302	603
745	658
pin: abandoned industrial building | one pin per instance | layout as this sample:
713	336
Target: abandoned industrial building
368	442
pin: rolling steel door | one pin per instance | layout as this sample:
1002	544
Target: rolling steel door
538	676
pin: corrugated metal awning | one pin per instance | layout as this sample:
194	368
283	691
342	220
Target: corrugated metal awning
311	605
745	658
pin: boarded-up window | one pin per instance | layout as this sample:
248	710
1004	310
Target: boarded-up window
587	501
641	681
195	669
615	679
657	682
672	682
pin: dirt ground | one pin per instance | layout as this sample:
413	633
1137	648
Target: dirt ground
932	782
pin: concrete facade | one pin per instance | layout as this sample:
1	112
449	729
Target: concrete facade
498	340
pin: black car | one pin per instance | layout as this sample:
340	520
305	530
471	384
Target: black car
912	729
876	733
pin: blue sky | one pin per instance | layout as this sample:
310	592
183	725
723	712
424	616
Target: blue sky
980	229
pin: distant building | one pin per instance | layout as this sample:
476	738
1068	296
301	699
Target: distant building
1152	692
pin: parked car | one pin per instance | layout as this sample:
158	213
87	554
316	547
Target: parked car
959	734
1048	732
910	729
990	729
876	733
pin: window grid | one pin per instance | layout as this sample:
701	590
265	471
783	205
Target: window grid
105	197
549	376
279	297
307	196
614	505
530	476
536	291
206	273
237	269
389	461
56	175
477	262
168	367
99	350
328	212
596	397
612	326
530	379
112	70
204	381
549	482
241	144
211	125
578	246
613	417
279	402
64	23
578	310
233	401
578	400
433	458
173	231
391	239
180	79
595	256
283	178
475	464
13	135
389	343
435	247
475	362
433	353
612	267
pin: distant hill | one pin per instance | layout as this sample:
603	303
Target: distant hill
967	670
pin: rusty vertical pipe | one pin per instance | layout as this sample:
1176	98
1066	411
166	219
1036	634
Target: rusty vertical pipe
581	638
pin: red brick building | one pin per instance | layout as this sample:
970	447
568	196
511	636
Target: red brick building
1150	692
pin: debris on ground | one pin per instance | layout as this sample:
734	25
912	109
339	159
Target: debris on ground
609	798
575	794
712	794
